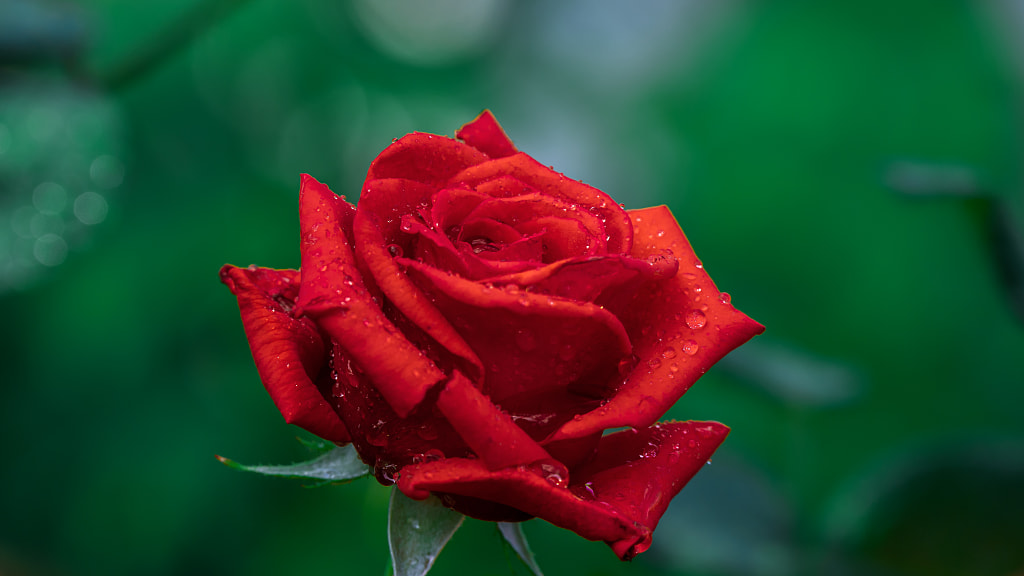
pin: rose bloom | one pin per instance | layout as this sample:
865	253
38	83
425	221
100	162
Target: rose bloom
480	325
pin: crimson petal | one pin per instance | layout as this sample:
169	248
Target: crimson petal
485	134
585	279
554	184
638	473
393	197
680	327
333	294
529	341
527	490
288	351
489	432
426	158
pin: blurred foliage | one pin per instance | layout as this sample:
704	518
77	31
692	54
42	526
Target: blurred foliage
849	172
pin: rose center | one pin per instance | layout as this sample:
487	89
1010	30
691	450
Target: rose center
482	244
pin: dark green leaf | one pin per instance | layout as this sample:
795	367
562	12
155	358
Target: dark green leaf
513	533
340	464
418	531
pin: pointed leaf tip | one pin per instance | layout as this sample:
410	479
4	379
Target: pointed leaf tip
340	464
516	539
417	532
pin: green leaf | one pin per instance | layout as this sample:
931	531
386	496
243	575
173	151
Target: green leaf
316	445
340	464
418	531
513	533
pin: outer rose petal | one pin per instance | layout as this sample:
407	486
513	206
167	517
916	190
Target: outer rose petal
426	158
288	351
639	473
673	355
485	134
334	295
526	490
489	432
529	342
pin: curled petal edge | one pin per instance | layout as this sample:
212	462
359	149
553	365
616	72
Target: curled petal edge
526	490
334	295
288	352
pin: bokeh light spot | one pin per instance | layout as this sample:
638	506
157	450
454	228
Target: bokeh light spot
49	198
106	171
50	250
90	208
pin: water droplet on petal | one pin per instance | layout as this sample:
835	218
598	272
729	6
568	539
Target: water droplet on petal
725	297
626	365
654	363
668	353
696	319
690	347
395	250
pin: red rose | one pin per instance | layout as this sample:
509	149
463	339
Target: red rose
477	323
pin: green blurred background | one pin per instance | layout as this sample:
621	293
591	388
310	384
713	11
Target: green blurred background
849	171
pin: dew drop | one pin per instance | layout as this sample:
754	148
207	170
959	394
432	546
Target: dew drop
654	363
725	297
650	451
690	347
395	250
626	365
696	319
427	432
668	353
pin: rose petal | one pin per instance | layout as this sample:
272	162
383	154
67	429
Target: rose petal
638	473
529	341
489	432
426	158
533	173
378	198
450	206
334	295
288	351
562	238
485	134
680	327
526	490
519	210
586	279
382	439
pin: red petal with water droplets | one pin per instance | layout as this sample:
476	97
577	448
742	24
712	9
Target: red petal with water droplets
426	158
485	134
489	432
375	228
638	473
334	295
527	490
673	350
586	279
529	341
288	351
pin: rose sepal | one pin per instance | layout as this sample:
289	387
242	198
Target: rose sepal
417	532
337	465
